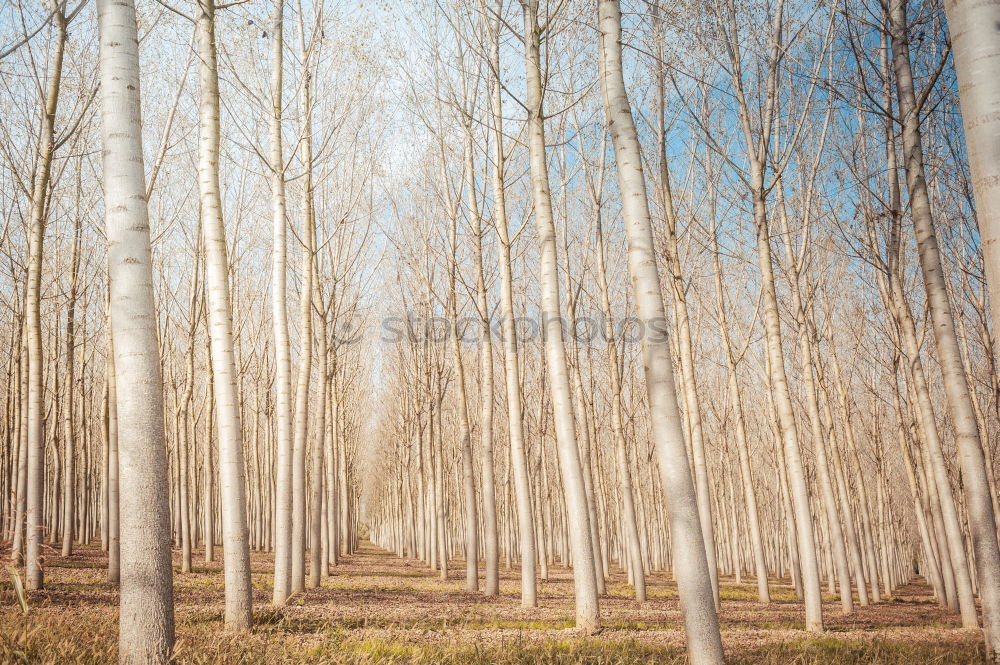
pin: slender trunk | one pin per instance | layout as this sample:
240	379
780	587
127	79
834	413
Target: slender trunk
208	452
742	445
114	529
629	520
691	567
279	318
587	612
300	440
688	384
105	490
518	463
955	570
317	564
492	582
332	493
465	436
859	483
35	519
840	480
182	428
69	454
757	148
934	573
236	543
21	495
798	489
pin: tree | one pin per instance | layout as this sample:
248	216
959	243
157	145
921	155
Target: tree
239	593
146	632
587	612
279	319
694	583
35	527
508	321
982	521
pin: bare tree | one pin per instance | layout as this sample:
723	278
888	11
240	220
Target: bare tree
694	582
146	632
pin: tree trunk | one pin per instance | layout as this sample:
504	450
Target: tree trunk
69	453
35	519
279	317
736	402
465	436
146	632
629	520
691	568
587	612
114	529
236	543
317	564
492	582
21	491
515	416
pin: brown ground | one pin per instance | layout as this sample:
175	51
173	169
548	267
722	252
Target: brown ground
377	608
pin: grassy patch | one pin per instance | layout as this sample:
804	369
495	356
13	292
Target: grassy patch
562	652
779	594
823	650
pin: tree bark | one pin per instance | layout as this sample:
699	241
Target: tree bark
279	319
35	518
691	568
490	538
146	631
587	612
69	453
515	416
236	542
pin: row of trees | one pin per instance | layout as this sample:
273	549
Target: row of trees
771	167
685	290
141	396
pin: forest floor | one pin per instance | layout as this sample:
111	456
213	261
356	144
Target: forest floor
377	608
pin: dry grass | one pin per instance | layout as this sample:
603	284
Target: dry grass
378	609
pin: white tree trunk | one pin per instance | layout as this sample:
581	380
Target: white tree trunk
976	50
114	529
236	541
464	433
279	316
146	631
490	539
587	612
694	582
35	518
69	452
629	519
515	415
742	445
